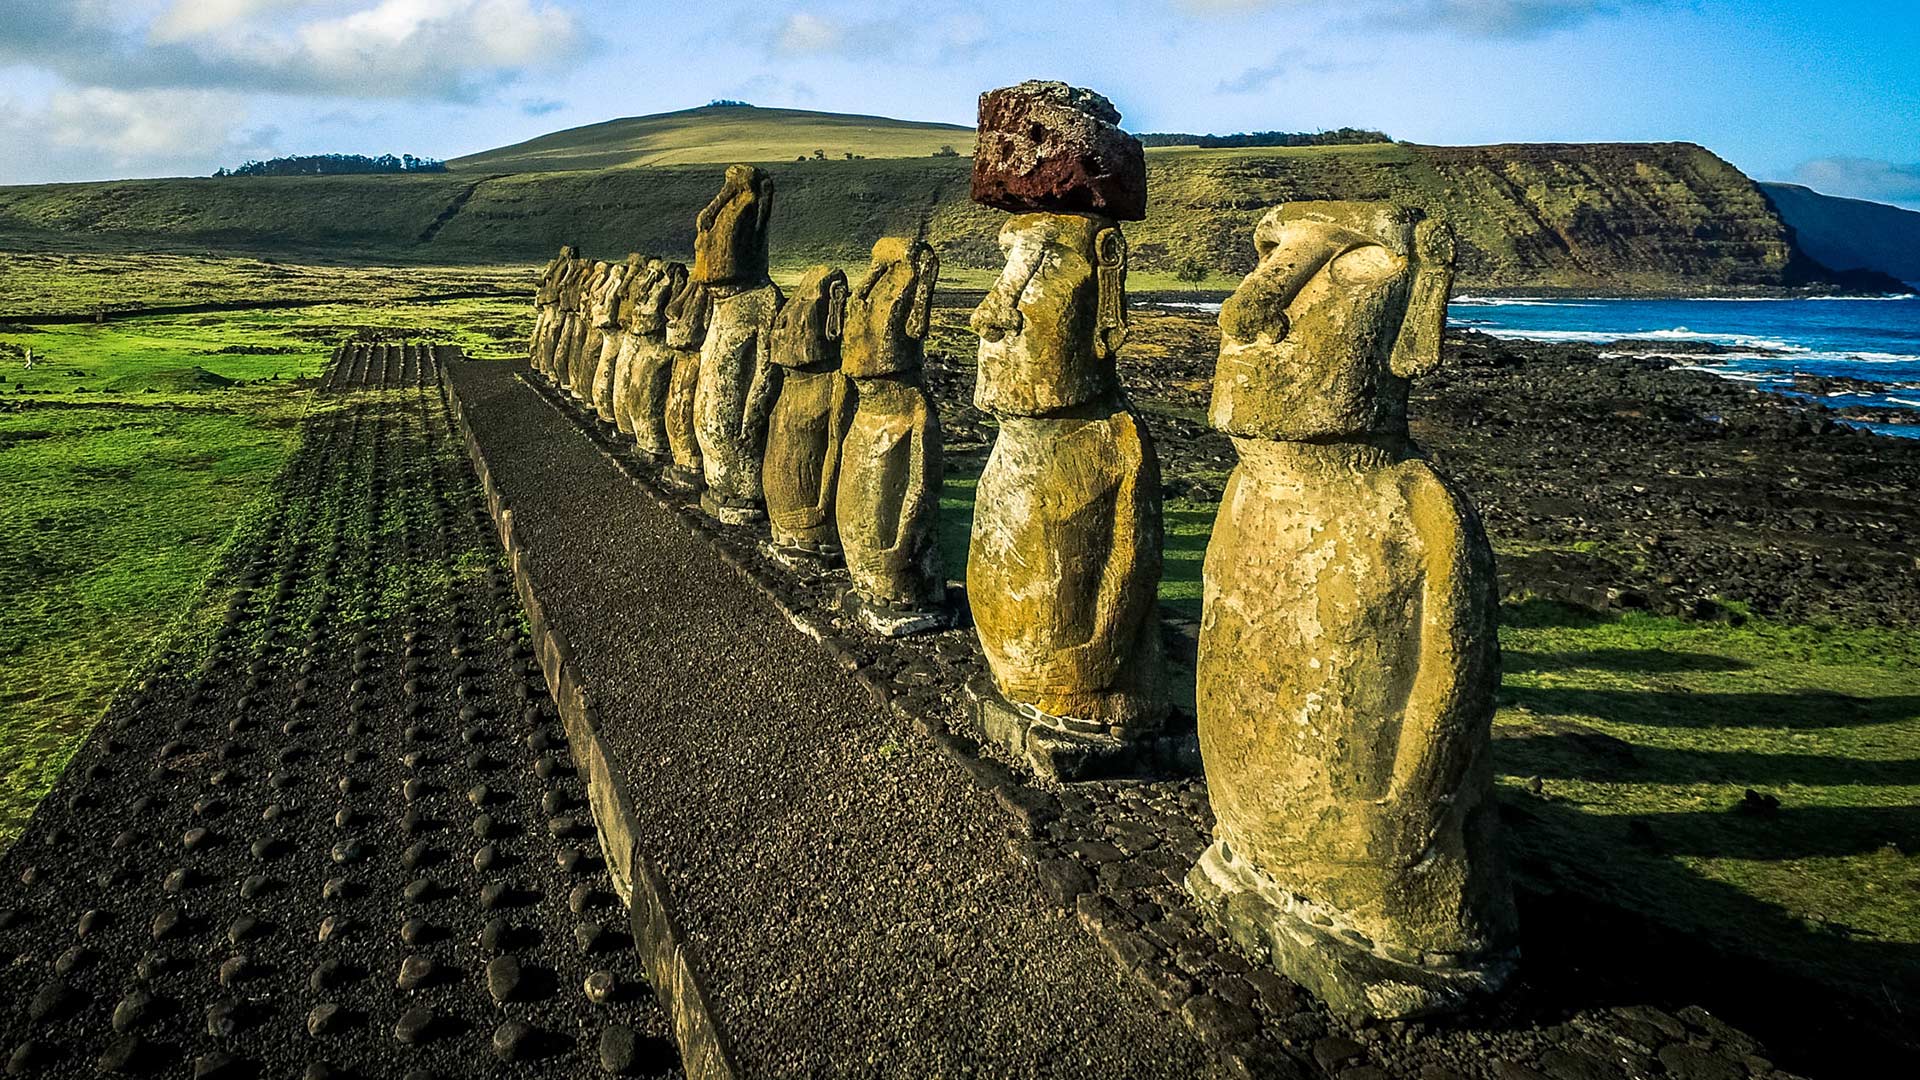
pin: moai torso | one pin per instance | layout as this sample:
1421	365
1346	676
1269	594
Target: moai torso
619	306
810	413
641	396
550	342
734	394
600	319
1063	568
546	297
891	473
1348	651
687	316
572	374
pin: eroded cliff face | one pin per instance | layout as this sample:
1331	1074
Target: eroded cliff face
1610	217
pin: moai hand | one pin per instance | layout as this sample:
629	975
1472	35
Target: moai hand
1348	652
808	420
891	473
736	386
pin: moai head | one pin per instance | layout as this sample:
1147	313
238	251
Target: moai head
1347	304
663	280
1051	326
730	239
890	310
807	331
689	311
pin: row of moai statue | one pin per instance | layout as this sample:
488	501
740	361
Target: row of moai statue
1347	656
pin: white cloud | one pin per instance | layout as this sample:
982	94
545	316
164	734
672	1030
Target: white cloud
1863	178
85	133
1488	18
804	33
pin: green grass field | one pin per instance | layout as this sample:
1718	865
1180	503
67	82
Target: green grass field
131	451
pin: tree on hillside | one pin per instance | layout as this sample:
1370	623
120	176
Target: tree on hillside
336	165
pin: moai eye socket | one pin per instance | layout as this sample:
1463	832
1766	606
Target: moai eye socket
1364	265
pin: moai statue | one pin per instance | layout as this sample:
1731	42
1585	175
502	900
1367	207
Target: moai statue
640	399
546	300
734	397
801	466
888	502
1348	657
1063	570
687	316
566	291
601	306
619	301
581	329
639	284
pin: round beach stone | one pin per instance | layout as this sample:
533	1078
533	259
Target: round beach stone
618	1049
323	1020
503	978
414	972
512	1040
600	987
414	1026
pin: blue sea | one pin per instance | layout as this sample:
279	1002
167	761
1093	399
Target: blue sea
1874	339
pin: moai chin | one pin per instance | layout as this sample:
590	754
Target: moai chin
1348	658
1063	569
616	303
688	313
734	396
810	413
888	501
643	388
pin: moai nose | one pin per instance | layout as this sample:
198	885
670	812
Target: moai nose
994	319
1258	307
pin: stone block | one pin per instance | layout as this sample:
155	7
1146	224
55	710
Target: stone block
1054	148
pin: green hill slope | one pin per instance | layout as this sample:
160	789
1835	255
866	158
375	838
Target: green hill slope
1851	234
722	134
1625	218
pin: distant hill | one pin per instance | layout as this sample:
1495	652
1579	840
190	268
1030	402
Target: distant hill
1629	218
719	134
1851	234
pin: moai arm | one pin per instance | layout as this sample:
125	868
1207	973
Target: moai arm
1458	651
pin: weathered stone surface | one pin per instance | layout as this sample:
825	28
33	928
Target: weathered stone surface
1347	657
609	315
1064	562
688	314
810	414
644	387
733	400
888	502
730	235
1055	148
546	303
583	336
1056	317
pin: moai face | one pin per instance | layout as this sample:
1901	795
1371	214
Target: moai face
1347	304
664	280
806	333
730	241
1054	321
890	310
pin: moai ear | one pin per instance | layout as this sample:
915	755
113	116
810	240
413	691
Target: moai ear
836	308
926	275
763	207
1110	248
1417	350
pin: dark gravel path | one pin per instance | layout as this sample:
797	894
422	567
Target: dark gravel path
848	893
332	833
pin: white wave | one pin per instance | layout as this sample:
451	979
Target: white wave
1187	305
1678	333
1513	301
1904	401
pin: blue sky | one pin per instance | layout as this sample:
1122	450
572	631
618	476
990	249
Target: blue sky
1827	93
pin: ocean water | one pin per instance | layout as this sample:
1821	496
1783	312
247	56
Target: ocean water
1875	340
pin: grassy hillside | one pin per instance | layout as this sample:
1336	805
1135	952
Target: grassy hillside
1851	234
719	133
1628	218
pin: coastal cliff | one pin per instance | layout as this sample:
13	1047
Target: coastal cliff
1651	218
